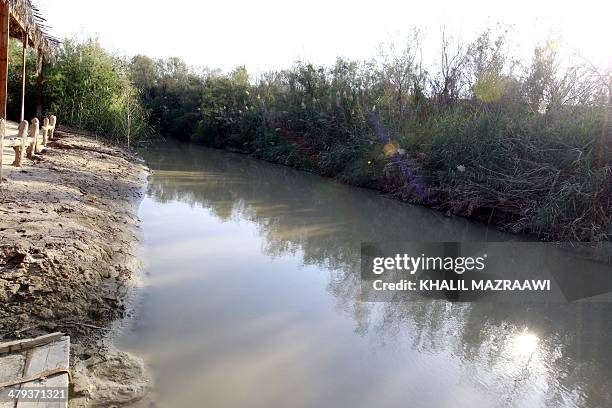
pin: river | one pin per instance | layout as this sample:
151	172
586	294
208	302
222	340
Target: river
251	299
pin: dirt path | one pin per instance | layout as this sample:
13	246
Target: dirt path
68	258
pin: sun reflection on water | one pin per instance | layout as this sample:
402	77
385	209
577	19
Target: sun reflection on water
525	344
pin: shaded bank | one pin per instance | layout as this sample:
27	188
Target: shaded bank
68	239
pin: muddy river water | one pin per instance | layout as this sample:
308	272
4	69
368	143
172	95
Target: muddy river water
251	299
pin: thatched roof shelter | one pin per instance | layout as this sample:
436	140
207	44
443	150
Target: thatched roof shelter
20	19
26	18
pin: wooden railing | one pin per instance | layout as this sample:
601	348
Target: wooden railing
30	139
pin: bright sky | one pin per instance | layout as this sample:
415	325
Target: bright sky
268	34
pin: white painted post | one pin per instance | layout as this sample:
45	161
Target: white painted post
45	131
52	122
34	133
20	150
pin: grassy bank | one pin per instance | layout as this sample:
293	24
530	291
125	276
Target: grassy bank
524	145
478	165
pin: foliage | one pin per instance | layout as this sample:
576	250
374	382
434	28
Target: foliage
523	145
170	94
86	87
482	134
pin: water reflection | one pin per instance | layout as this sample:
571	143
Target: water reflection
429	353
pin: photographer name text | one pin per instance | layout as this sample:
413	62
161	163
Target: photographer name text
456	285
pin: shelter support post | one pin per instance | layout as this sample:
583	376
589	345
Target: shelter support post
23	75
39	103
2	132
5	18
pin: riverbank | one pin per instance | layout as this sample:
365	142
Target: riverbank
514	205
68	258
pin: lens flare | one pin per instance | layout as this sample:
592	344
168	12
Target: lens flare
525	344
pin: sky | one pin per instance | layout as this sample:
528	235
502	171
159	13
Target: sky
272	34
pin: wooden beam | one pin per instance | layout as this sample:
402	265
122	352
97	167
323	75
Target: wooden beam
23	75
5	18
18	345
16	19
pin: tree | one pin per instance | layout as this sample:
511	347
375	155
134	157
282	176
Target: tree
448	82
400	70
486	59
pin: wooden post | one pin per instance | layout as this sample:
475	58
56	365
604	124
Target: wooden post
5	18
34	147
39	67
23	75
30	144
45	131
22	137
52	123
36	132
2	132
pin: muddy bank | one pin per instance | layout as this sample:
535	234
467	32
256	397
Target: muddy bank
68	258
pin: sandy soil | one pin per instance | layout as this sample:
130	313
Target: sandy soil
68	258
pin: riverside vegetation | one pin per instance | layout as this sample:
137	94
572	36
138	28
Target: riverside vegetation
524	145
